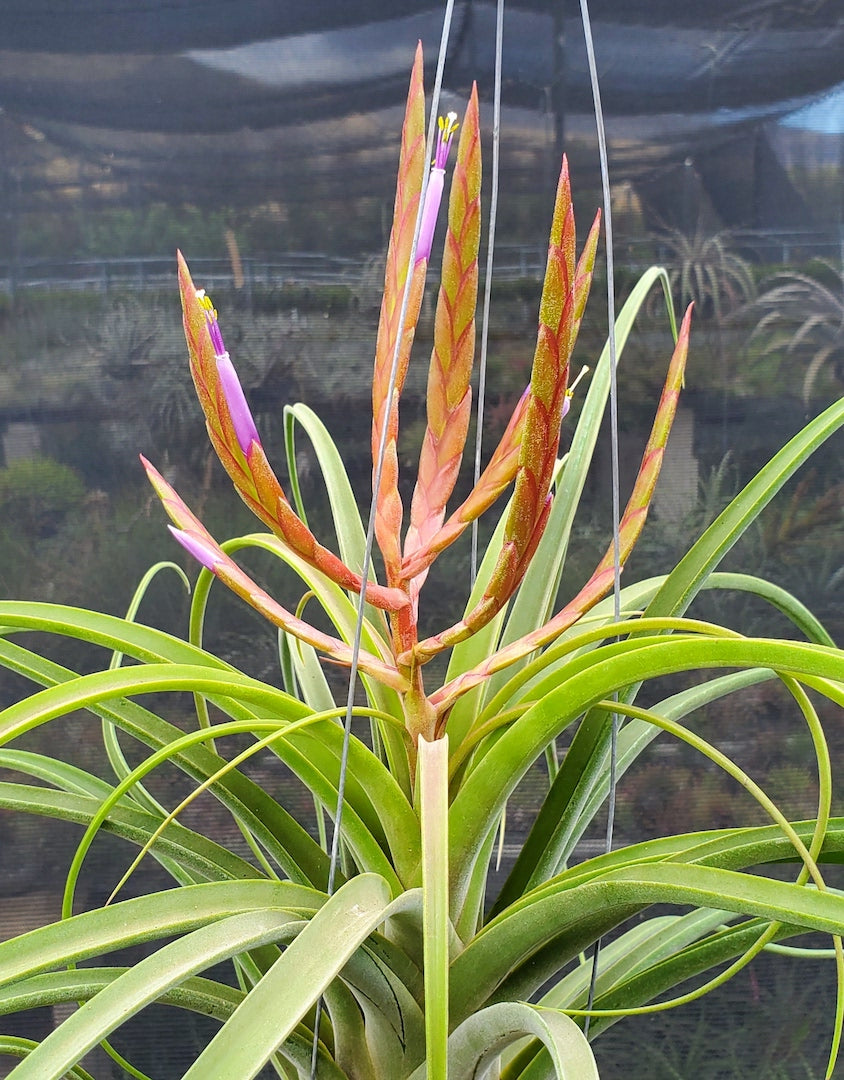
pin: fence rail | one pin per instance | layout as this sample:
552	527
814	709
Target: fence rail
512	262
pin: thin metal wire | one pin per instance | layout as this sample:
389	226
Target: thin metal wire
376	484
616	496
490	251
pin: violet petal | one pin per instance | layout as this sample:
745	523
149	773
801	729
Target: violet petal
244	425
197	547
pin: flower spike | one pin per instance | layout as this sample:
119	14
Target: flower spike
244	425
388	505
561	309
601	581
449	395
526	456
233	436
198	542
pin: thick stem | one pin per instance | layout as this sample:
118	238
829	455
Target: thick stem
420	716
433	812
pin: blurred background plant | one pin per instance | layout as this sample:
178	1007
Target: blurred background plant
801	328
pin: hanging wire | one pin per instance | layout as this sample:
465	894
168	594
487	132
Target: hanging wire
616	498
490	251
376	484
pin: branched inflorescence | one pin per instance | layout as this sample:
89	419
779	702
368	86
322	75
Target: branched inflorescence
526	456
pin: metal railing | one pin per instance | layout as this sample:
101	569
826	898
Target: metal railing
512	262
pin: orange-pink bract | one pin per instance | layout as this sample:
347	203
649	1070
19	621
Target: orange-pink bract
251	473
449	396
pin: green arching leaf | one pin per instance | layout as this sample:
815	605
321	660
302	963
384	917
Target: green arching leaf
797	613
611	668
697	958
533	604
205	996
187	849
630	960
582	782
108	631
636	950
292	464
395	814
289	682
523	948
370	788
351	538
636	735
388	991
142	984
731	849
584	762
640	594
360	840
55	772
474	1046
313	685
343	614
640	949
111	742
296	980
334	601
351	535
281	835
13	1046
350	1046
686	579
75	781
472	913
146	918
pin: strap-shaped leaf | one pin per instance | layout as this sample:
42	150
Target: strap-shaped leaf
476	1044
296	980
103	695
142	984
528	944
484	791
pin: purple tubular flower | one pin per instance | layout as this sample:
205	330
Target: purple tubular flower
244	425
198	548
241	416
436	182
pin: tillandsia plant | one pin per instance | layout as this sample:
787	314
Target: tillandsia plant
396	964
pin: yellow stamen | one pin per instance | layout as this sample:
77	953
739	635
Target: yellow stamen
583	371
205	301
448	124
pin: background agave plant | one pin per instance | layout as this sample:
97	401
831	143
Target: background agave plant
803	314
706	270
420	973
